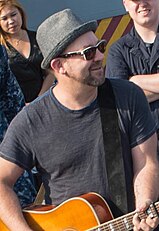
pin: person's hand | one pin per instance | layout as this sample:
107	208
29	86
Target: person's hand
149	222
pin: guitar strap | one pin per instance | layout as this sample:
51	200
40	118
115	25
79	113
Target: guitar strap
112	146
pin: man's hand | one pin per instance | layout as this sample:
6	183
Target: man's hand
147	224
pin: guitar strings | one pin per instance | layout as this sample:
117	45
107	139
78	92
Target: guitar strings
121	225
124	223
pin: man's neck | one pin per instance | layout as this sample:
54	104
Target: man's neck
147	34
75	99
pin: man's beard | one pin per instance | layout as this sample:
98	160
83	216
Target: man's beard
89	80
95	82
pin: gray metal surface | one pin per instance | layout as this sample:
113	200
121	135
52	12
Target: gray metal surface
38	10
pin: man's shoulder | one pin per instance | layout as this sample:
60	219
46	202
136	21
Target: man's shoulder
126	40
121	41
122	84
39	104
126	91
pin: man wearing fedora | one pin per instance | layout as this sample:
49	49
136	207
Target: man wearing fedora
61	132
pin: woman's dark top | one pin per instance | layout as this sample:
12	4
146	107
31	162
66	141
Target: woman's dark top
27	70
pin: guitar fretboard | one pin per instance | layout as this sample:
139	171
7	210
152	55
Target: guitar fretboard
124	223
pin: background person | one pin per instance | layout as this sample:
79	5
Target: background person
23	51
11	102
135	56
11	97
61	132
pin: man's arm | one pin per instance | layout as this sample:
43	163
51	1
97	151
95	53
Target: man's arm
151	97
116	67
146	179
149	84
10	209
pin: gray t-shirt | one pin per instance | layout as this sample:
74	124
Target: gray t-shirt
67	146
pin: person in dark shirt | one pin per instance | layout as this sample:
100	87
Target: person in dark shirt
135	56
23	51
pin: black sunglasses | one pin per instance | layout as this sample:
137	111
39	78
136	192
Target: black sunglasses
89	52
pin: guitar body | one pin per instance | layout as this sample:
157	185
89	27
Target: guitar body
76	214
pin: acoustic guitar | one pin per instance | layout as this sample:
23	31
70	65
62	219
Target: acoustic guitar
89	212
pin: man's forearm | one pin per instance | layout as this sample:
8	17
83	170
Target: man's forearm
146	185
10	210
151	97
148	82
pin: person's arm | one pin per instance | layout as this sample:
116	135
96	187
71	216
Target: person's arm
146	180
10	209
116	67
47	83
151	97
149	84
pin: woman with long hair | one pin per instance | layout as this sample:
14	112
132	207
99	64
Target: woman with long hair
24	54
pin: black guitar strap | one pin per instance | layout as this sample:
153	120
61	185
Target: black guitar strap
112	145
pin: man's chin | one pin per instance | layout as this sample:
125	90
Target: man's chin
97	82
102	80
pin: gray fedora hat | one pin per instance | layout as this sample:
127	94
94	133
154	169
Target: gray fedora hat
58	31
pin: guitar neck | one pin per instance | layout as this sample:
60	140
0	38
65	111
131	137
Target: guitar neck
124	223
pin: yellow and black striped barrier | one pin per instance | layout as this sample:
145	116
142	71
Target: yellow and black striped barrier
112	29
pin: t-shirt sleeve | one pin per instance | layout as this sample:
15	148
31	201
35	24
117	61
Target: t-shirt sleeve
136	116
17	145
144	124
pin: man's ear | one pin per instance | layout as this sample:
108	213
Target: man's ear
125	5
57	66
